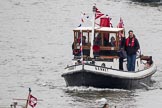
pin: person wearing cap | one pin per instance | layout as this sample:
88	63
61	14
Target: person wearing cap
102	103
131	47
106	105
112	42
122	53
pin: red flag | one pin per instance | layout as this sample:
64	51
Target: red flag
32	101
120	24
98	14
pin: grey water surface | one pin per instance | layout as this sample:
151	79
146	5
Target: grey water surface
35	46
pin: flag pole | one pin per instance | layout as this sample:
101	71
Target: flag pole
81	45
27	101
93	27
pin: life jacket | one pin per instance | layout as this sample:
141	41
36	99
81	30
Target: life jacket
76	52
132	43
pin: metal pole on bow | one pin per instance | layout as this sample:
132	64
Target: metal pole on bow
27	101
93	27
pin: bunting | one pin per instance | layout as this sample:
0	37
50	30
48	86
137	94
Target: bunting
84	17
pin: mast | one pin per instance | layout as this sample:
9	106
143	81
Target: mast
93	26
81	45
27	101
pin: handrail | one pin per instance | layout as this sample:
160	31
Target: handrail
87	47
108	57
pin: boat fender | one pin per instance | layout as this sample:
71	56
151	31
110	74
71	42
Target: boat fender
103	65
93	62
79	61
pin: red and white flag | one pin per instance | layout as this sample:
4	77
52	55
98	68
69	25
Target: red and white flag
121	23
32	101
98	14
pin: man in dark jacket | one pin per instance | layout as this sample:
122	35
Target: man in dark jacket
122	51
131	47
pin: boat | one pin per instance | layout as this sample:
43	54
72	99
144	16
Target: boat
30	101
96	63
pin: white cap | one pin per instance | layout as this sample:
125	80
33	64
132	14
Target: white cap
101	102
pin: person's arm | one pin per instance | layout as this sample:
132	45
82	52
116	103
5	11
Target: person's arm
125	46
72	45
122	42
137	46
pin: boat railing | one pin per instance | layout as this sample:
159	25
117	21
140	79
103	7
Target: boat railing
87	47
97	58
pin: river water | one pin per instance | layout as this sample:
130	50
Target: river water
35	46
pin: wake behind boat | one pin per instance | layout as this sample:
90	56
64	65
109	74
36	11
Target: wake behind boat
97	63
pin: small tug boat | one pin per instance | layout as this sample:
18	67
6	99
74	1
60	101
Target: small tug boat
96	61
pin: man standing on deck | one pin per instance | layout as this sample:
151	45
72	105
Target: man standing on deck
131	47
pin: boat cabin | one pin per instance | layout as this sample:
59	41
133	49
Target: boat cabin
106	42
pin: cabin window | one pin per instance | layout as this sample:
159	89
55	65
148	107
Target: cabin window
85	38
97	39
112	39
105	41
77	37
